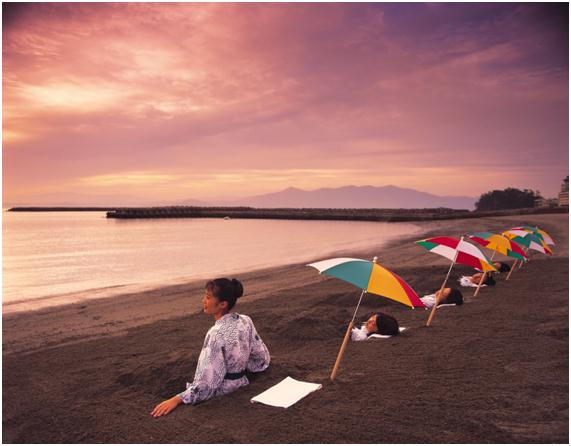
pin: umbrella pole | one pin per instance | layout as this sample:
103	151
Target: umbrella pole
429	321
521	261
345	341
512	270
484	274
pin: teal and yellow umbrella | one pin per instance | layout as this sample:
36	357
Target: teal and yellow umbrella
372	278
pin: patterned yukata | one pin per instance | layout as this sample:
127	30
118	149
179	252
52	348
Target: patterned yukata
231	346
359	334
429	300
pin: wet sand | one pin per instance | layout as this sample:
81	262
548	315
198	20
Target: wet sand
492	370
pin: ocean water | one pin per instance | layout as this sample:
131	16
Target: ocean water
51	258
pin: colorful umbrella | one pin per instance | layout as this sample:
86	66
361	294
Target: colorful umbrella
497	243
372	278
527	239
458	251
540	233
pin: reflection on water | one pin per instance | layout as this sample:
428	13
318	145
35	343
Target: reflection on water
55	253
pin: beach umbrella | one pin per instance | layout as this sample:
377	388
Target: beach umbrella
527	239
372	278
499	244
540	233
458	251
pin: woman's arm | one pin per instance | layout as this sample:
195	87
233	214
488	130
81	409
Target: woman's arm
166	406
259	359
209	375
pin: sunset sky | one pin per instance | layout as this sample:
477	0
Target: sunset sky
203	101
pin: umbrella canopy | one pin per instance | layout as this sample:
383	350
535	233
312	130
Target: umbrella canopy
458	251
540	233
527	239
499	243
370	277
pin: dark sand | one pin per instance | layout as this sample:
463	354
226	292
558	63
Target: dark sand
493	370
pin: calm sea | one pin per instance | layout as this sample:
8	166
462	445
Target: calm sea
51	258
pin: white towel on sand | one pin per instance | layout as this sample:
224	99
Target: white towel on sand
465	281
361	334
379	336
286	393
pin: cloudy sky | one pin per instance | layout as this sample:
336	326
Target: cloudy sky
180	101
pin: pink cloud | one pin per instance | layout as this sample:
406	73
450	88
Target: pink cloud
99	89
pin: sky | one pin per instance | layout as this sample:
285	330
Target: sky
171	102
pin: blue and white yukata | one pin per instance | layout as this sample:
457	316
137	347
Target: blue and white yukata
231	347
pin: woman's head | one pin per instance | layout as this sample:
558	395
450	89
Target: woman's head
477	278
501	267
452	296
221	295
490	281
383	324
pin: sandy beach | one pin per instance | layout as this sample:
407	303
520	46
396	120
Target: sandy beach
493	370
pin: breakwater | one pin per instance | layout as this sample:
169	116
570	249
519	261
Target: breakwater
393	215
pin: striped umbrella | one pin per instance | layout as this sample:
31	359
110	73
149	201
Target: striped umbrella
500	244
540	233
372	278
458	251
527	239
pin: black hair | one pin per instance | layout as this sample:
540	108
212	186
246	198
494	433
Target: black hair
504	267
226	290
490	281
455	297
387	325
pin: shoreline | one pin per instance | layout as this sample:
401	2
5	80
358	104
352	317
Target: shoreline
105	316
95	371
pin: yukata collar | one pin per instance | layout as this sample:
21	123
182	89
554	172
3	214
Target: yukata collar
225	318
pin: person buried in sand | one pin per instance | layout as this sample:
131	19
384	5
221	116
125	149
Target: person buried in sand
475	280
231	347
502	267
447	296
378	323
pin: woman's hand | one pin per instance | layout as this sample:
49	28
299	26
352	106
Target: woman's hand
166	406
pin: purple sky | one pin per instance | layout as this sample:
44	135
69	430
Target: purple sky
180	101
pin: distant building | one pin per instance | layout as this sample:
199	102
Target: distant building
545	202
564	194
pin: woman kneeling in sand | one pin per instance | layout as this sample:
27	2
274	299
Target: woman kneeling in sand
231	347
378	323
447	296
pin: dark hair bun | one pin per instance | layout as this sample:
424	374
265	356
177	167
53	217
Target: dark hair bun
238	288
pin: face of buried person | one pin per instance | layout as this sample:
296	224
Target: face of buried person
445	293
371	324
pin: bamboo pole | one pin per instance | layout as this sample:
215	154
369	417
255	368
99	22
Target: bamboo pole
484	274
512	269
521	262
345	341
433	311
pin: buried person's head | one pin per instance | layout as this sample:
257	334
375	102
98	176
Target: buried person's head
450	296
501	267
220	295
383	324
476	279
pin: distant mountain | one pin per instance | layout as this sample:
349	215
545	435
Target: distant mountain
390	197
196	203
